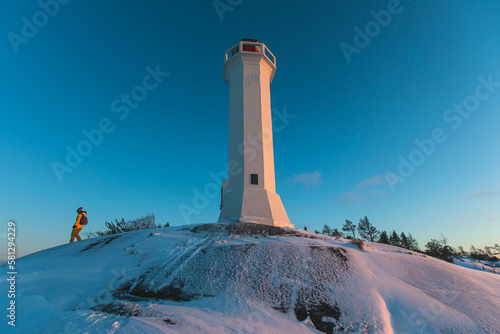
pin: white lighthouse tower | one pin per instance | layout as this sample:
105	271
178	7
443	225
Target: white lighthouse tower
249	193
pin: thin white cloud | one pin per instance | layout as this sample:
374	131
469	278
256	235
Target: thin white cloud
483	193
352	197
490	226
377	192
369	182
364	191
308	179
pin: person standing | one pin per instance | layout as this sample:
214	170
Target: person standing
81	220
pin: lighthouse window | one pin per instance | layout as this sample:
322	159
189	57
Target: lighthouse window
251	48
254	178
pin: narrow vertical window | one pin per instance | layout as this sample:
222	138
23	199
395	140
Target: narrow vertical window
254	178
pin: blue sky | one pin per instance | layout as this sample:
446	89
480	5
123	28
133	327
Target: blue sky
346	120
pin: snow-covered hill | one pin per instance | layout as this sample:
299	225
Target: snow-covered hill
247	278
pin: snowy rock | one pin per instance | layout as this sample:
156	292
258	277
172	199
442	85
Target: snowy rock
247	278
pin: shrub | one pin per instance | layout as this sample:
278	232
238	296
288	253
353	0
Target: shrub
359	243
439	249
143	223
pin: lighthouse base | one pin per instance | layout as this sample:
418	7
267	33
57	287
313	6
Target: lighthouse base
254	205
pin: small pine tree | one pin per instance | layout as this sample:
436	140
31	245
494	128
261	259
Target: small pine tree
413	243
461	250
404	241
367	230
473	252
394	239
349	227
447	253
476	253
336	233
439	249
384	238
433	247
305	228
326	230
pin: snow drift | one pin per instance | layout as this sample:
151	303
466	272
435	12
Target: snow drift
244	277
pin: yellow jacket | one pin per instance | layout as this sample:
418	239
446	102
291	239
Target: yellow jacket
77	224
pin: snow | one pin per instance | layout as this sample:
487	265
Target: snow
221	278
483	265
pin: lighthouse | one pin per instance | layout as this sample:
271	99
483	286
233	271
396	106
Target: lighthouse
249	192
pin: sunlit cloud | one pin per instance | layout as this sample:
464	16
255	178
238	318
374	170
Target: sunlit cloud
308	179
369	182
483	193
377	192
352	197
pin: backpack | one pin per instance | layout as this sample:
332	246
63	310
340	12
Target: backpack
84	220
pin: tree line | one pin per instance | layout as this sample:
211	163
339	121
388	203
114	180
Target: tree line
438	248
